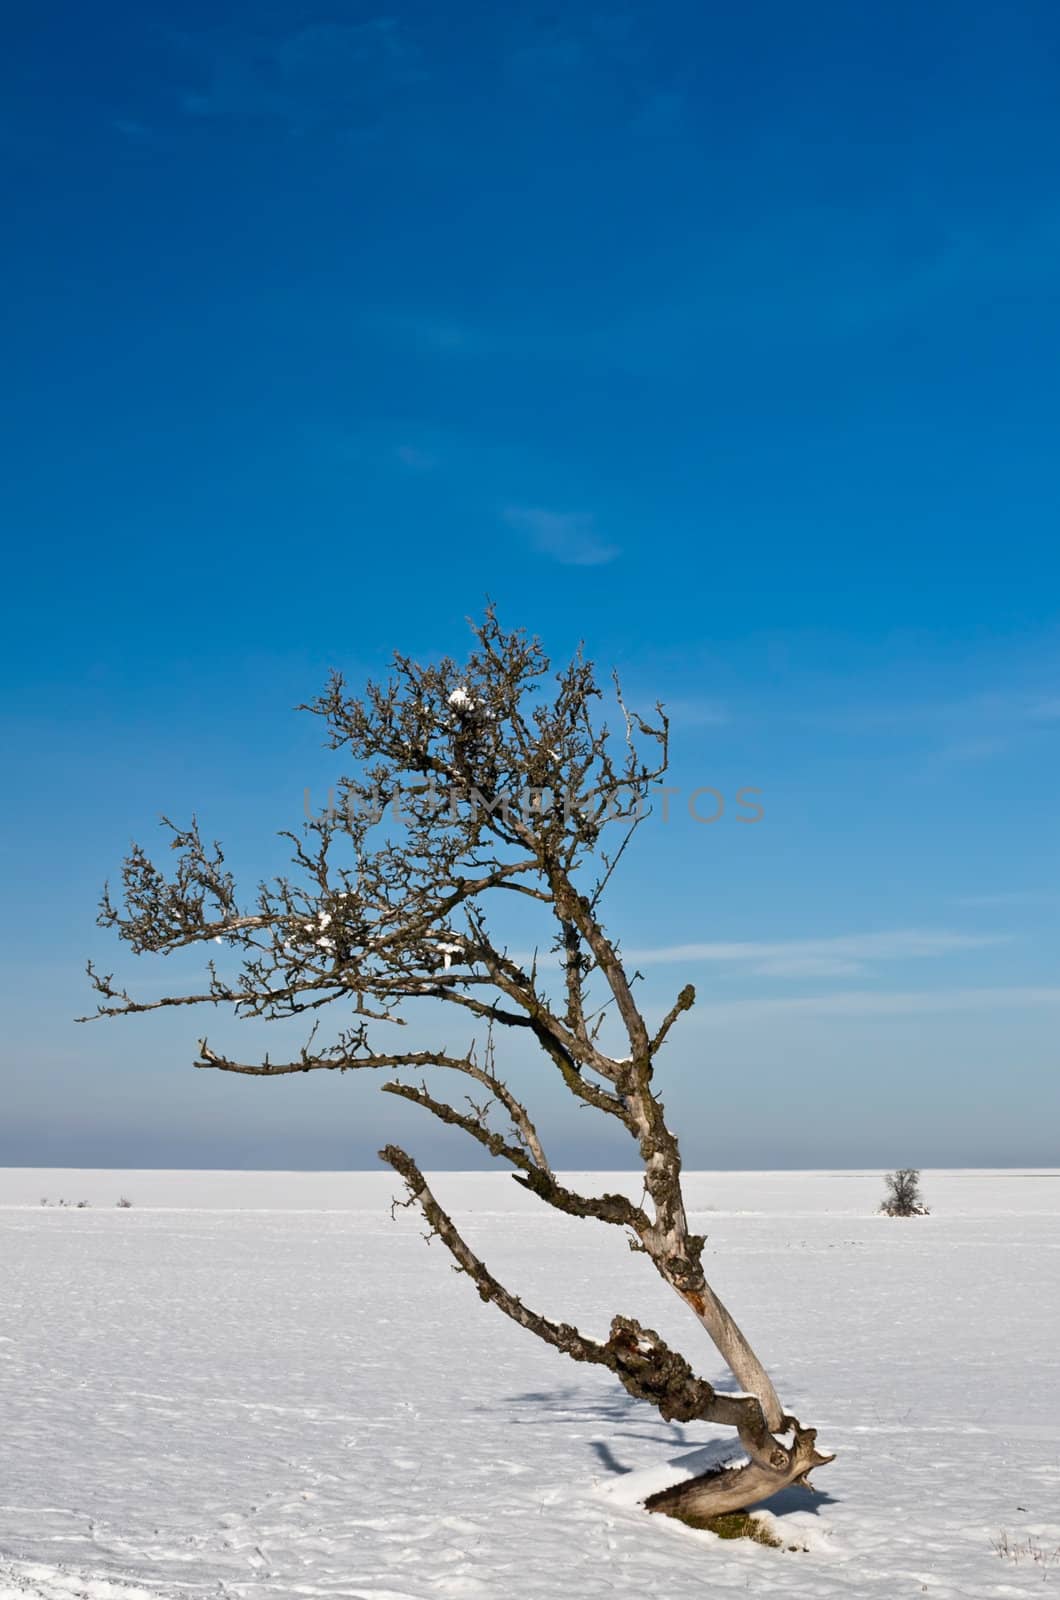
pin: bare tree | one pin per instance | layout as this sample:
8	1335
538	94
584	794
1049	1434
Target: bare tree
503	791
903	1197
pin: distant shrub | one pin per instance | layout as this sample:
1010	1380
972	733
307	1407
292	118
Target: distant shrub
82	1205
124	1203
903	1197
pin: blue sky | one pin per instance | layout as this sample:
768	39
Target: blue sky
726	338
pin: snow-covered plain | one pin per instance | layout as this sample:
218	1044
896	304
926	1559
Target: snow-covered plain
258	1384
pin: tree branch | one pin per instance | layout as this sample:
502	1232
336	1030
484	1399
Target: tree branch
684	1002
645	1365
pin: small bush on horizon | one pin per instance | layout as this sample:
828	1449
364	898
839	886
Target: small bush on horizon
903	1197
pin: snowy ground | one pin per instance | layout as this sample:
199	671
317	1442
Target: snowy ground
198	1397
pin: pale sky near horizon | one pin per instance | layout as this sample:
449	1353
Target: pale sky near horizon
724	338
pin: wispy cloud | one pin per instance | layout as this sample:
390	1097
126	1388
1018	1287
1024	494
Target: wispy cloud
325	73
988	711
964	751
1045	710
951	734
446	337
569	537
796	966
661	113
869	1003
137	133
990	725
824	297
1013	897
436	335
844	955
692	712
554	51
414	459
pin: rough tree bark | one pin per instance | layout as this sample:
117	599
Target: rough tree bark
484	788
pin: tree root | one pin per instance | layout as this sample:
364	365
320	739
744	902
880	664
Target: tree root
735	1488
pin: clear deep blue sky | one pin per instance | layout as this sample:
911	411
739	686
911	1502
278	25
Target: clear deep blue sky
726	337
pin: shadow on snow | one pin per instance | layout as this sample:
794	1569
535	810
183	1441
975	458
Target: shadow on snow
573	1403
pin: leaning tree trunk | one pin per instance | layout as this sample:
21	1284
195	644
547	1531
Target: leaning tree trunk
780	1451
649	1370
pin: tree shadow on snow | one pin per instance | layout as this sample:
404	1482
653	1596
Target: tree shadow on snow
607	1458
795	1498
573	1403
624	1418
